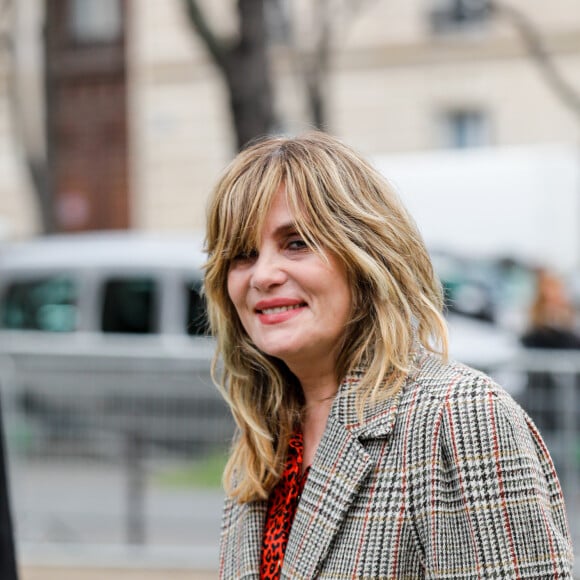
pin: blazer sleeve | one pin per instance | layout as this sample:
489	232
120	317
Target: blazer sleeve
494	507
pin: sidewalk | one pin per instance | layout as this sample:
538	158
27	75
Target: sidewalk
54	573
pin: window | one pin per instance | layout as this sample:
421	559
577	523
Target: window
46	304
129	306
448	15
465	128
197	322
95	20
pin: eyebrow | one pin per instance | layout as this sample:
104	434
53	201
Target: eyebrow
285	229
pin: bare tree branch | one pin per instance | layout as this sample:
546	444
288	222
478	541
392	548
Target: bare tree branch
311	63
537	49
199	22
316	70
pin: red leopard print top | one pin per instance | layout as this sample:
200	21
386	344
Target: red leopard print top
282	505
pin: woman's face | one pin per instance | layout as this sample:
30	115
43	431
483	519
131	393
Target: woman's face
292	302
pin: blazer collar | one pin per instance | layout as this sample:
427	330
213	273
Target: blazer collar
378	418
340	467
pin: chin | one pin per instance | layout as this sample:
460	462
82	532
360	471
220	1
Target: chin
284	354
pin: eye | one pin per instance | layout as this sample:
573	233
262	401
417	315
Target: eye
296	244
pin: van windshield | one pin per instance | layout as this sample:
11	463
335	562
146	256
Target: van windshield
47	304
130	305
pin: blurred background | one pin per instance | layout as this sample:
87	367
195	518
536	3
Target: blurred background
116	118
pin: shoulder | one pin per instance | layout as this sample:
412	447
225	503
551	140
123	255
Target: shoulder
434	382
461	420
467	427
449	399
433	388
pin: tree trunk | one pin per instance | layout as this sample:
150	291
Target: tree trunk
248	76
245	68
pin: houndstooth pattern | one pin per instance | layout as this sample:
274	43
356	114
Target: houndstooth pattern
448	479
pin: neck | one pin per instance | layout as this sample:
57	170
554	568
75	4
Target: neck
319	393
318	388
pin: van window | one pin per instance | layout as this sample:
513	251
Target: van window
129	305
47	304
197	323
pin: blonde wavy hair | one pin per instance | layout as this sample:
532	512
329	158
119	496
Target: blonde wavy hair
343	206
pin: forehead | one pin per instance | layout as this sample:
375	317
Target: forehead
279	214
271	215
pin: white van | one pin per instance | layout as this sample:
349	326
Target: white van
104	336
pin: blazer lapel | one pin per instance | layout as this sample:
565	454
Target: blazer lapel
341	464
339	468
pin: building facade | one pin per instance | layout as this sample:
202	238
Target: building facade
402	76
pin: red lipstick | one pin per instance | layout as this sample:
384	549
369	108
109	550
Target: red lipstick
277	310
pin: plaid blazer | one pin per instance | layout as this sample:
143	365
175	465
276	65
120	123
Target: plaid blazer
447	479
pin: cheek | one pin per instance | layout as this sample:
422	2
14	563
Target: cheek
237	292
232	286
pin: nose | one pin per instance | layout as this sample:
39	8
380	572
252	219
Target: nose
267	271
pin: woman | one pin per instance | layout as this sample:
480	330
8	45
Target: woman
551	315
361	452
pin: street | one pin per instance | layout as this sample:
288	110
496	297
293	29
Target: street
75	516
34	573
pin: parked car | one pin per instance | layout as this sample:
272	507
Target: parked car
103	338
496	290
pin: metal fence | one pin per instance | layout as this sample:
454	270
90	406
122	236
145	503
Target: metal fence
107	469
110	459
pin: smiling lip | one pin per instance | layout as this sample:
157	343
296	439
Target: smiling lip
277	310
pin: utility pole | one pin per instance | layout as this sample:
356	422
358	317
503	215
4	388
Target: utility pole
7	554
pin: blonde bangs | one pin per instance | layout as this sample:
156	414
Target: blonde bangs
241	211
